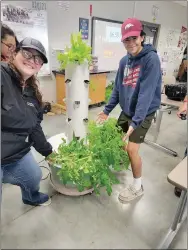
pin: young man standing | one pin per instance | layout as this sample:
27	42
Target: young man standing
138	91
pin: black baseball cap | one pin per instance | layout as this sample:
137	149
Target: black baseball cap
32	43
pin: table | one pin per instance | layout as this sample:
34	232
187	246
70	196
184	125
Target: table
178	178
167	105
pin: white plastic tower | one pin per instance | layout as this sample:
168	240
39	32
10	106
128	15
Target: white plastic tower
77	99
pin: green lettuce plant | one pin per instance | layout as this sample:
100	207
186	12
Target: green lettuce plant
108	91
79	52
92	164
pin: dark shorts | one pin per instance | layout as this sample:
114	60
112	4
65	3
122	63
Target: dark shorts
140	132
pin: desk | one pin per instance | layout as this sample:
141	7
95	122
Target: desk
178	178
166	101
167	105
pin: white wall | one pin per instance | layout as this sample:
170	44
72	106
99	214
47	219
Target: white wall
170	14
62	23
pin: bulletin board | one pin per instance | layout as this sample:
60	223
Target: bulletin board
169	51
29	19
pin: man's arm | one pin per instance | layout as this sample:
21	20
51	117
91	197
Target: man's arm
183	107
114	99
148	85
38	138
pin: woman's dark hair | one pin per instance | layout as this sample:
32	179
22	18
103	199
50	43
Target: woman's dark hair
5	30
32	81
185	51
17	43
143	34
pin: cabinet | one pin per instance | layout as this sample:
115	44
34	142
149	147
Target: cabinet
97	87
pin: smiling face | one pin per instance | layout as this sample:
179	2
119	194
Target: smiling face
133	45
8	45
28	62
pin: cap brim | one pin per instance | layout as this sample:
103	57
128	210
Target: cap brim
37	49
129	34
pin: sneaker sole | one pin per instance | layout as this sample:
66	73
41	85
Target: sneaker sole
123	200
47	203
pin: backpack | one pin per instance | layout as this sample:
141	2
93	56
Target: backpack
176	92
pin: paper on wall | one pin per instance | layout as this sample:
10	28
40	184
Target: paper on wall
151	40
168	46
147	40
183	38
27	22
64	5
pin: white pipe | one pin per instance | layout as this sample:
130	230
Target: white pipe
77	91
134	8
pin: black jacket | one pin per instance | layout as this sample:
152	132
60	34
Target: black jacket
21	116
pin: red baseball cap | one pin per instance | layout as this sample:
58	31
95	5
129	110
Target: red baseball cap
131	27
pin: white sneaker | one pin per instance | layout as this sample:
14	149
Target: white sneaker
130	193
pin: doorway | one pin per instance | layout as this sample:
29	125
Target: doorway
152	32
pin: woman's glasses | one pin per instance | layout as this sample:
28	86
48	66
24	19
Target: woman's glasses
28	55
11	47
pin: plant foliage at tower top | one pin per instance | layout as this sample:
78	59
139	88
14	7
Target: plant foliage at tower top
79	52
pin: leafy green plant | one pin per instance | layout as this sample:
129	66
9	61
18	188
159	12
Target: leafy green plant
92	164
79	52
108	92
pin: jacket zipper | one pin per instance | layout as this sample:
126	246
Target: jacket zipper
23	88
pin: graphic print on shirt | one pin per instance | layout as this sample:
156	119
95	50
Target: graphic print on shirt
131	78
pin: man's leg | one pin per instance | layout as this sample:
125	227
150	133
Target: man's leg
136	189
136	163
27	175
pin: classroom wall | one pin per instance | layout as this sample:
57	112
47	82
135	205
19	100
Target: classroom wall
63	22
171	14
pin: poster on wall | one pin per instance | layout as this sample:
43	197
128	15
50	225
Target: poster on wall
30	21
183	38
64	5
171	38
84	28
155	13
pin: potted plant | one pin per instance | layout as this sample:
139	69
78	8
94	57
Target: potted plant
109	90
82	167
79	165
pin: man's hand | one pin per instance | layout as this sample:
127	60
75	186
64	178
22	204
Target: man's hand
129	132
102	117
182	109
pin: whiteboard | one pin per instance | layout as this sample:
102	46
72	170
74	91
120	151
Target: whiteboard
106	44
28	20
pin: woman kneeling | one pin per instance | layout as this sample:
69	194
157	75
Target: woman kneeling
22	113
